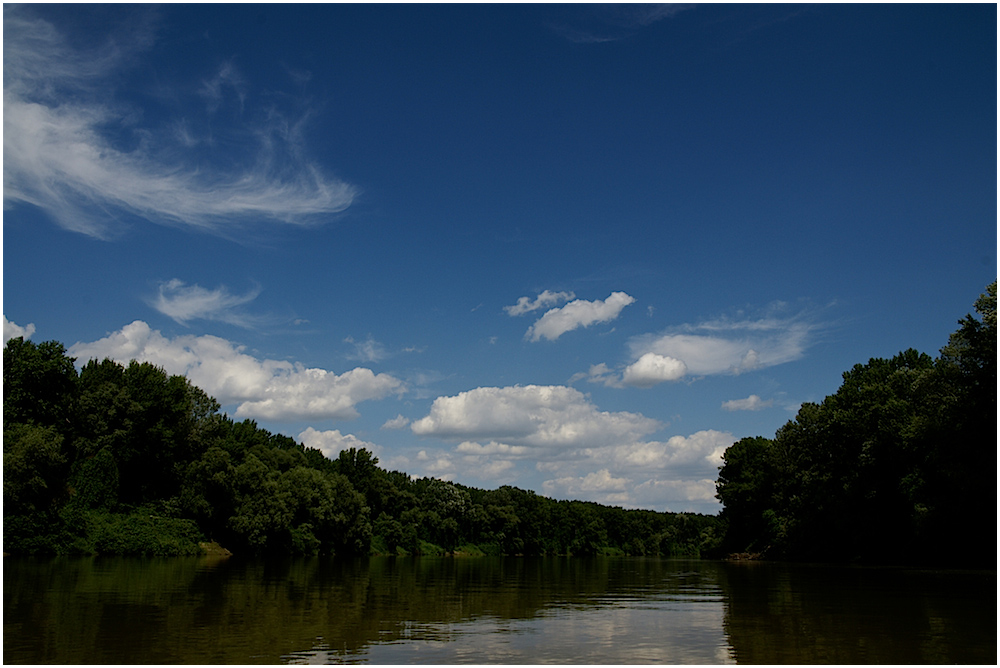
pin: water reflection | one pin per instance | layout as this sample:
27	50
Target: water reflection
489	610
780	613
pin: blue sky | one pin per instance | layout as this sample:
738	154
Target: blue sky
579	249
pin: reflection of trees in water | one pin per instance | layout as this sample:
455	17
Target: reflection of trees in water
189	610
779	613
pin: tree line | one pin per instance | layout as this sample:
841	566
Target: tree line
126	459
898	465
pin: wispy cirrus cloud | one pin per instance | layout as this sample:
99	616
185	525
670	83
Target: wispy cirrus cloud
73	149
184	302
612	22
576	314
719	346
732	346
368	350
544	299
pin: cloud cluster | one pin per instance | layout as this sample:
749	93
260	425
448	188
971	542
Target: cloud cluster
549	418
183	302
592	454
263	389
12	330
576	314
60	154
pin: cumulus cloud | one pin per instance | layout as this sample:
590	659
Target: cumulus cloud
544	299
587	453
576	314
438	465
678	495
677	474
74	150
699	452
733	347
652	369
330	443
183	302
263	389
492	448
751	403
398	422
598	486
551	417
12	330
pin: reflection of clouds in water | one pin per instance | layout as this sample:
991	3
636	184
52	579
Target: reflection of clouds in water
640	632
636	631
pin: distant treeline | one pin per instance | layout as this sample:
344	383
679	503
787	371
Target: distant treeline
899	465
125	459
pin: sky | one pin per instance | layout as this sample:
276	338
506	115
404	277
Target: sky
577	249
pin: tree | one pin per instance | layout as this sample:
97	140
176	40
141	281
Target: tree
33	468
38	383
747	488
887	468
145	417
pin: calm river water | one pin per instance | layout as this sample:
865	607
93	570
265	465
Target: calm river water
490	610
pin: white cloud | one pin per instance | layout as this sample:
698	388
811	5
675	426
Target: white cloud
652	369
264	389
598	486
12	331
751	403
677	495
722	346
438	465
59	103
398	422
183	302
576	314
330	443
586	453
677	474
492	448
699	452
600	373
552	418
498	469
545	298
368	350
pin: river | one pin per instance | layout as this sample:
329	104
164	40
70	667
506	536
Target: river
491	610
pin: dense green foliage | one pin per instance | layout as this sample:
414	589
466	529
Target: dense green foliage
897	465
128	460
